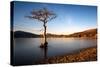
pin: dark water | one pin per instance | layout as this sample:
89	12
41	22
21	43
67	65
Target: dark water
27	51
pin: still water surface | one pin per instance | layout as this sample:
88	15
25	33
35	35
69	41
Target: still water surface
27	51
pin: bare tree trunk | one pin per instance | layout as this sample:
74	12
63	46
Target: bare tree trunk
45	38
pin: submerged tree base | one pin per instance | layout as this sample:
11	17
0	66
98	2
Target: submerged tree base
44	45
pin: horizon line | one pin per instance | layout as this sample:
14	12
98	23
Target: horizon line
55	33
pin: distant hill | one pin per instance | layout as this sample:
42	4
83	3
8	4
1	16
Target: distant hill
86	33
22	34
91	33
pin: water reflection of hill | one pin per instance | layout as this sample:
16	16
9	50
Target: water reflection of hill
91	33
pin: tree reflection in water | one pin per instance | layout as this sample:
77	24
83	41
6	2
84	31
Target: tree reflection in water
45	50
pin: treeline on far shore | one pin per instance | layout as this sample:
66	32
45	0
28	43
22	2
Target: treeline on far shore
91	33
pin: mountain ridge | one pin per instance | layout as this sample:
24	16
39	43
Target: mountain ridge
86	33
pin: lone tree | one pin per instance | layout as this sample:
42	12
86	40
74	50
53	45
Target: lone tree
43	15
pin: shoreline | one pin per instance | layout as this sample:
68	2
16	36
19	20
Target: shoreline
86	54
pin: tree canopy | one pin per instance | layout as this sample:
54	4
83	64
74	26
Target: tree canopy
43	15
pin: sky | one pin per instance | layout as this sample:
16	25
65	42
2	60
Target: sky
70	18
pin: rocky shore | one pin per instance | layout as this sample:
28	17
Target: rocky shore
88	54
